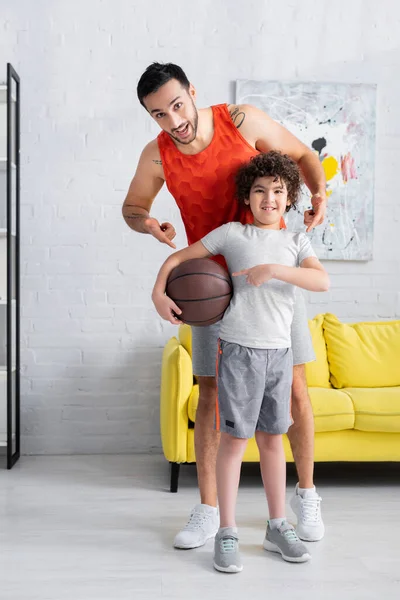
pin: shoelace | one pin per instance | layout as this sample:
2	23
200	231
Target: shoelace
196	521
228	544
290	535
311	509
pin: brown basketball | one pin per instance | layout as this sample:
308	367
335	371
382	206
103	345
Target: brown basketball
202	289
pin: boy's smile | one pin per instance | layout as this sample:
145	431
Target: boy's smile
268	201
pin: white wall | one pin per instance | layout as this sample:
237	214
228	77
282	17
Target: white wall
91	340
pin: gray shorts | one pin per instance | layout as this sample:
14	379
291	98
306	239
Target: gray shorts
253	390
205	342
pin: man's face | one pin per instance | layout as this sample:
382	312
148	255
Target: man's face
173	108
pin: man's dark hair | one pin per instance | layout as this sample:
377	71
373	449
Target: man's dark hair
273	164
156	75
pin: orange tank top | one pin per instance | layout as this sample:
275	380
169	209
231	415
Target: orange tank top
203	184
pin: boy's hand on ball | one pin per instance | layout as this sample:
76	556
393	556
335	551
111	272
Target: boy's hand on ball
257	275
166	308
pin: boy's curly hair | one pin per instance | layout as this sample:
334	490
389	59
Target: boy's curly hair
271	164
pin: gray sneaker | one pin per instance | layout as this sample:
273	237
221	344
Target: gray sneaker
285	540
226	551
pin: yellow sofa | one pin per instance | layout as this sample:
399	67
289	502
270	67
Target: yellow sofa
354	386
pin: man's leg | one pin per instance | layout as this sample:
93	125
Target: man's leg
206	441
204	519
301	433
305	503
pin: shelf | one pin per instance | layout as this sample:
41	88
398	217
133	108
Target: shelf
3	439
3	302
3	370
3	94
3	164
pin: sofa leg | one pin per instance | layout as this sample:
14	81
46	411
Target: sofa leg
174	476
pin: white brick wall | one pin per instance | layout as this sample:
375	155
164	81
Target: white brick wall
92	342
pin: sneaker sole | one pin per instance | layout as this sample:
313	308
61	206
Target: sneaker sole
197	545
230	569
306	538
270	547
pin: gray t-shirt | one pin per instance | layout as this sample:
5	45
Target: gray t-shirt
258	317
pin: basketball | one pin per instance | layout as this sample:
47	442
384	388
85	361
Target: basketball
202	289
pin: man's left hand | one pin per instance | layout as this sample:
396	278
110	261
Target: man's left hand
315	216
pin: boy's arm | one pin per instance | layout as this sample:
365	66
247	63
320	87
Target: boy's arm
164	305
310	276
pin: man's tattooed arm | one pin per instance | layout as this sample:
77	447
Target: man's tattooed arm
134	218
237	116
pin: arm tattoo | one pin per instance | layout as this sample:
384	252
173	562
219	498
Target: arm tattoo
158	162
237	116
134	215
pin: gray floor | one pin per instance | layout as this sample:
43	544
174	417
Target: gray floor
101	527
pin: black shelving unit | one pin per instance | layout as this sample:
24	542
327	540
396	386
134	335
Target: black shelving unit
10	267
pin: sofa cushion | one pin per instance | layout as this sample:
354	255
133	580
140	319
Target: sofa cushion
317	372
185	337
363	355
177	373
193	402
176	386
376	409
333	410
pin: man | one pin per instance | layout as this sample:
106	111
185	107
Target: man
197	154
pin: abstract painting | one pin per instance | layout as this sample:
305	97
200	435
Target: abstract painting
337	121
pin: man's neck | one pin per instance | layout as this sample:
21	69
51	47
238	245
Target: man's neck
204	134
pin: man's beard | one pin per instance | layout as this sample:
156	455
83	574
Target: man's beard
193	124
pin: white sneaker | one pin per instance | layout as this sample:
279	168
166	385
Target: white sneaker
307	508
203	524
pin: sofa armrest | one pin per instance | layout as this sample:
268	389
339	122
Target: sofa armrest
176	387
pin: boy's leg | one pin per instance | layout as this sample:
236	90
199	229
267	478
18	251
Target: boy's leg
204	519
229	461
306	503
274	420
280	535
226	546
273	472
241	377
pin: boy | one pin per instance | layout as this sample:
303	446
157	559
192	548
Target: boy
254	356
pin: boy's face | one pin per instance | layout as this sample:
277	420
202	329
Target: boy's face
268	201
